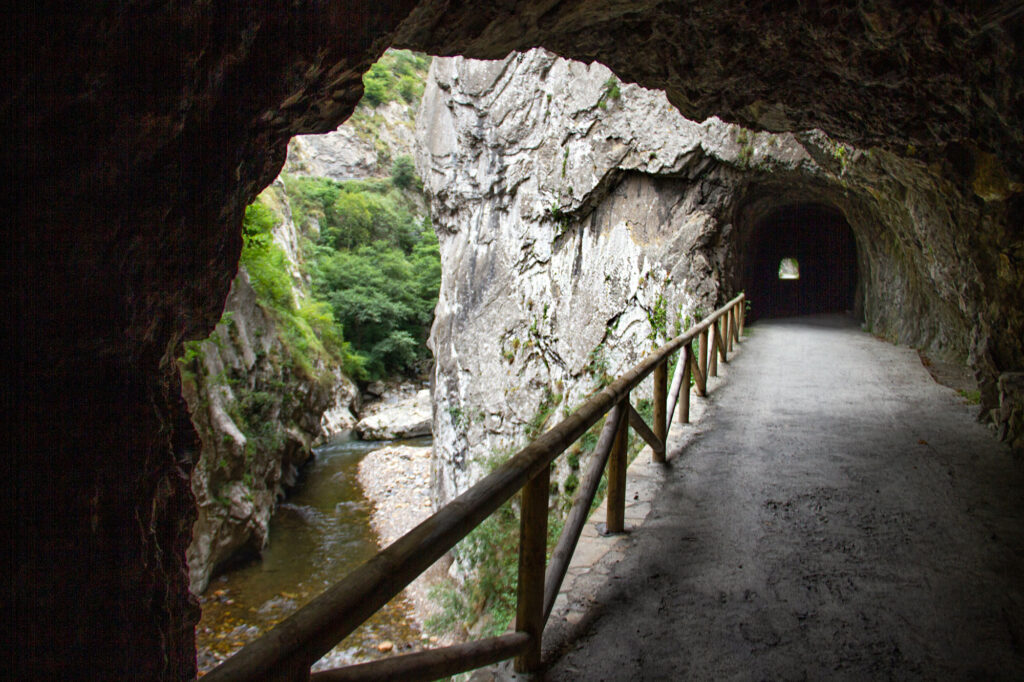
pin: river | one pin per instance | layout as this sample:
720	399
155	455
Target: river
317	536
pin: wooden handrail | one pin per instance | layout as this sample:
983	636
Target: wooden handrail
432	663
289	650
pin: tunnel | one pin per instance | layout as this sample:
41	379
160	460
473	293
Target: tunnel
139	134
800	260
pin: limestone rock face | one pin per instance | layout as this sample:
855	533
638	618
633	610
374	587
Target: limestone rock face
348	153
256	414
242	382
580	225
581	219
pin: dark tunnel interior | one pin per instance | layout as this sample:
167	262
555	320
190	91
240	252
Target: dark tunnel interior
821	243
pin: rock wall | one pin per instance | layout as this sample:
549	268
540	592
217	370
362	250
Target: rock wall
581	218
353	150
257	412
580	224
256	417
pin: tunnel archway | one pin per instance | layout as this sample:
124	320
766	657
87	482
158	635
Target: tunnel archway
801	259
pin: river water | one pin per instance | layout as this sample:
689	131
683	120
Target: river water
317	536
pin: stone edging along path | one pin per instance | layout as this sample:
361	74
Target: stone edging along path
596	555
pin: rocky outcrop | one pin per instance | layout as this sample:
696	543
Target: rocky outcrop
257	415
257	409
358	149
138	135
581	218
408	418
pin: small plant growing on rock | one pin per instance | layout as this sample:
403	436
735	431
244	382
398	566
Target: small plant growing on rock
611	92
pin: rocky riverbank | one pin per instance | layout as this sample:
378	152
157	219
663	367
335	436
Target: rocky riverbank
396	480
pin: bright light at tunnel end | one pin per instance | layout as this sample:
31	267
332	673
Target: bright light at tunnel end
789	269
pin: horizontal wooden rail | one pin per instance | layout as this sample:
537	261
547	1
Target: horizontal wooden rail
289	650
431	664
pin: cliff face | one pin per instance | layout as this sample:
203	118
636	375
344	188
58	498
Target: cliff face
256	417
363	147
257	410
581	219
580	226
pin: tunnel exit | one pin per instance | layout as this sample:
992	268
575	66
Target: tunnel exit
801	260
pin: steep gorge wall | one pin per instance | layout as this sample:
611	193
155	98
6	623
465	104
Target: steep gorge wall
257	410
580	222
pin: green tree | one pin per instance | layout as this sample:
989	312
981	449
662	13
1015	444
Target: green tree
403	172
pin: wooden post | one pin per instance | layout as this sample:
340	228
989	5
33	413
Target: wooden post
702	354
732	327
684	390
713	351
700	382
659	426
742	306
616	514
533	535
724	346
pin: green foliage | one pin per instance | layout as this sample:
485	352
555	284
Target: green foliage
376	267
597	366
545	409
403	172
383	298
657	317
257	225
398	74
746	147
308	330
491	551
970	397
611	92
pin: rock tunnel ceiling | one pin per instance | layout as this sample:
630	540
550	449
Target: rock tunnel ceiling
139	135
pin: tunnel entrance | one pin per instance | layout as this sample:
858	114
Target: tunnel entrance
800	260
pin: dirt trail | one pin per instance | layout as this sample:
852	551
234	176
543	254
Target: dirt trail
838	515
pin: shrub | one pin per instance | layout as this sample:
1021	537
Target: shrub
403	172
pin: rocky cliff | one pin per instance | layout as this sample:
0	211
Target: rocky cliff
582	219
258	405
364	147
263	388
257	416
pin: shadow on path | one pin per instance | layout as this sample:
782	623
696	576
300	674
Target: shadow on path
836	515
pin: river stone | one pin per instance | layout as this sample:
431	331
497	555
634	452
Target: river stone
408	418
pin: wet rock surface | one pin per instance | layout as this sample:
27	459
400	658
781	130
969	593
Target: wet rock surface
836	514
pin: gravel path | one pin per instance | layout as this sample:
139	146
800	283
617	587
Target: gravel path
836	515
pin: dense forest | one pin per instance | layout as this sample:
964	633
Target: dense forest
369	264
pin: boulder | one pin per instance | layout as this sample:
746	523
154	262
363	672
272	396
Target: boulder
408	418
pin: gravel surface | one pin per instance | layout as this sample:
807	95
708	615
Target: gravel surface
836	515
396	479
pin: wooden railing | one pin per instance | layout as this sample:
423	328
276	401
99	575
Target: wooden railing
289	650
